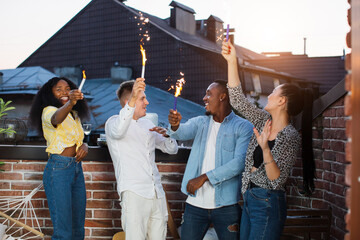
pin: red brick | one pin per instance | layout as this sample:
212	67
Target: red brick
340	157
88	214
338	168
326	165
338	146
348	60
103	176
348	128
24	185
104	232
7	166
99	186
337	189
340	179
98	223
105	195
172	187
348	109
111	214
10	176
317	143
348	151
348	197
10	193
338	122
39	194
318	164
329	176
319	173
87	176
4	185
334	134
172	168
318	204
98	204
340	112
329	155
348	82
176	196
326	144
348	175
117	223
33	167
171	177
330	112
33	176
98	167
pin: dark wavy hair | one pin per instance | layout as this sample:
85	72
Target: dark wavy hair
298	100
45	97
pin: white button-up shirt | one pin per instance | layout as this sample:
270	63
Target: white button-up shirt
132	149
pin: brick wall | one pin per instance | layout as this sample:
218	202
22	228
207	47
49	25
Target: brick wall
103	208
329	140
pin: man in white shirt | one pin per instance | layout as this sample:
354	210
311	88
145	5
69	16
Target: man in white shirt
132	140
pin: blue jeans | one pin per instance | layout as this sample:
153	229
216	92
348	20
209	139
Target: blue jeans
264	214
66	196
197	221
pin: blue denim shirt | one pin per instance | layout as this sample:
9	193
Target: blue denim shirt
231	145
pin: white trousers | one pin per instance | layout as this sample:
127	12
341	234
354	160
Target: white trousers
143	218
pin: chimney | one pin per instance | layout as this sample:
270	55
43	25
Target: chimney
182	18
1	78
215	30
72	73
120	73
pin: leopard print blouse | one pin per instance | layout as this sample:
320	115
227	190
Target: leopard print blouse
284	152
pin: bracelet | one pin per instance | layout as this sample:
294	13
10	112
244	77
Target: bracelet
265	163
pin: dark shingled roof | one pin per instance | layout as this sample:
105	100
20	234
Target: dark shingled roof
325	71
104	103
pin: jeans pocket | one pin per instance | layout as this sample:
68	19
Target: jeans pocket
259	194
61	165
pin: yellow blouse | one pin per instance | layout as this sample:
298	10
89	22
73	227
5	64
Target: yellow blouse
66	134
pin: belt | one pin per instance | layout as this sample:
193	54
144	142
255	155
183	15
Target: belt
253	185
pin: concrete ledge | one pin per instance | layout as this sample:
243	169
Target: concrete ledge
35	152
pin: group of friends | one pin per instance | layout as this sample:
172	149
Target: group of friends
232	157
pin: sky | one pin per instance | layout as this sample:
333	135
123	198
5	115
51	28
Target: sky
260	25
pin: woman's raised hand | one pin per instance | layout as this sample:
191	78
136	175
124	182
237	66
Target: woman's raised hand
228	51
263	138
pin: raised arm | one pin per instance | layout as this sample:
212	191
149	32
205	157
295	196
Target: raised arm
116	127
237	98
59	116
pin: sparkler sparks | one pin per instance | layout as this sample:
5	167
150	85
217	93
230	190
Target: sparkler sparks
178	87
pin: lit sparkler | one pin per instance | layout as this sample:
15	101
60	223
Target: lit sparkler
142	50
179	84
82	81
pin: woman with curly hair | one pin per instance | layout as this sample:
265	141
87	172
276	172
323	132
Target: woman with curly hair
56	112
271	153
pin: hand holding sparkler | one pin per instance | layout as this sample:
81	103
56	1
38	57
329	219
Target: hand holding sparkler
228	51
82	81
174	119
139	86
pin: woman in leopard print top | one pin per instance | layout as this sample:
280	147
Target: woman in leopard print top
271	152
